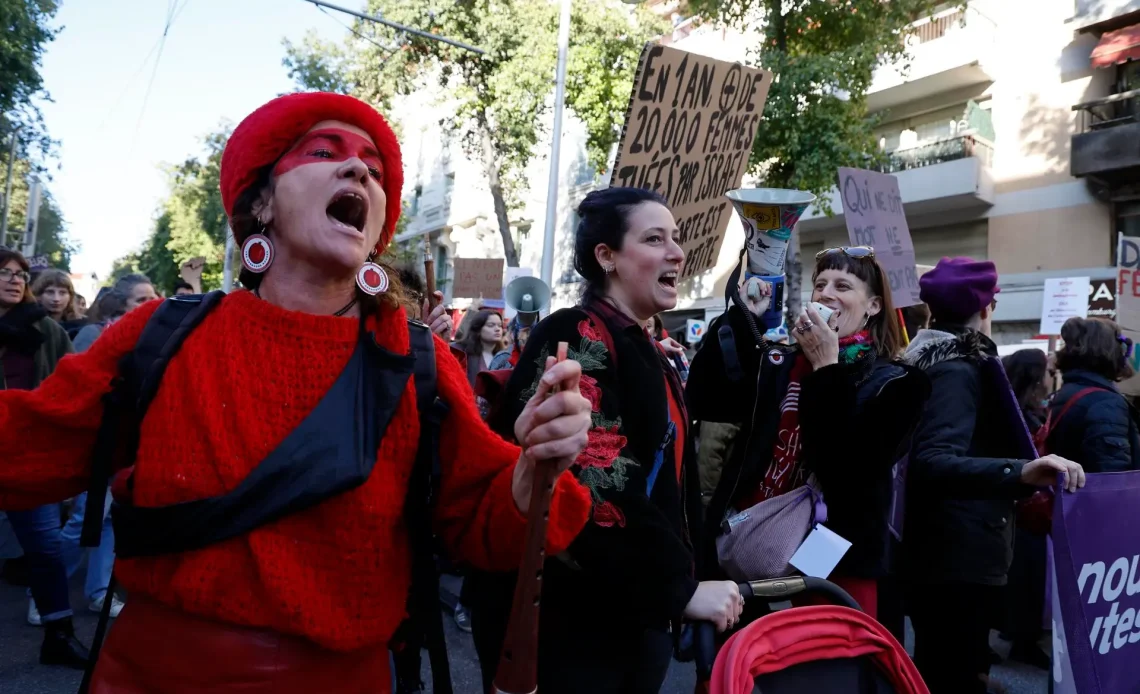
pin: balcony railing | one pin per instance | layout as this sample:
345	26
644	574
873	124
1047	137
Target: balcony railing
936	27
1109	112
951	149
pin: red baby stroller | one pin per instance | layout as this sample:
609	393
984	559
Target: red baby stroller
821	649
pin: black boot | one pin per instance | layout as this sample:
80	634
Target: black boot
60	646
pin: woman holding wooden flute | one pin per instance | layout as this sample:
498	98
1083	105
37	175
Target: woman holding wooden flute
612	601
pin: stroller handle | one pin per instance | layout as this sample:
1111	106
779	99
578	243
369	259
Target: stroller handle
770	590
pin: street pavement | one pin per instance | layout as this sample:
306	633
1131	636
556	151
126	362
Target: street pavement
21	673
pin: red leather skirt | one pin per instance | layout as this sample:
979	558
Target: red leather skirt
153	649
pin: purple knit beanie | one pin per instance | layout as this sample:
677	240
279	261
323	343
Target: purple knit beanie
958	288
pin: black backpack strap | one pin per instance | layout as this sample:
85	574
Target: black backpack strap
728	354
423	488
140	373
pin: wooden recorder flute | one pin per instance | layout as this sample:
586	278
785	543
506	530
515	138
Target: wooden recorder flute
518	665
429	276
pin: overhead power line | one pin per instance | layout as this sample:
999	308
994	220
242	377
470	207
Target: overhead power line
399	27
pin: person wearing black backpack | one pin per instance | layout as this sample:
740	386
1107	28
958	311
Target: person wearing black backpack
283	454
1090	422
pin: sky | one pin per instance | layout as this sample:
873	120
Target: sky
221	60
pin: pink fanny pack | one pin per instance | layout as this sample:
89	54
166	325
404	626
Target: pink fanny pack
758	543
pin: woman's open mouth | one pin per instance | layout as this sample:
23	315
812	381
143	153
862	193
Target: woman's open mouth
668	280
348	209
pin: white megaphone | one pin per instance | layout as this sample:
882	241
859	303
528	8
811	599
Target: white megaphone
528	296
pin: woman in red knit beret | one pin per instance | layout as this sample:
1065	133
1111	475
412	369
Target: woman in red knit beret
307	601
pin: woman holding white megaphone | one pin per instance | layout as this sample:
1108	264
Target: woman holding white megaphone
826	416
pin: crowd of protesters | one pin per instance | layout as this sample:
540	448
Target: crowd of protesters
662	459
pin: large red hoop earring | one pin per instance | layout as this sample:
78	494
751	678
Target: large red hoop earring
257	253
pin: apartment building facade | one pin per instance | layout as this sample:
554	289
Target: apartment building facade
1003	136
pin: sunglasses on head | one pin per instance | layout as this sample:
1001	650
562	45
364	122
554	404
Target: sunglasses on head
1126	345
857	252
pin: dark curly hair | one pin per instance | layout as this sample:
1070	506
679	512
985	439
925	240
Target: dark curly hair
1093	344
604	218
243	223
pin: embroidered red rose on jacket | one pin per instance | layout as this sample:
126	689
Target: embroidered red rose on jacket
607	515
588	331
589	389
603	447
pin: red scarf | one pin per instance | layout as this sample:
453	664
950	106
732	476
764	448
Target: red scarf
786	472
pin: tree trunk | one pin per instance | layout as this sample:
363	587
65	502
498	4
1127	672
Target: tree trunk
491	166
793	271
793	279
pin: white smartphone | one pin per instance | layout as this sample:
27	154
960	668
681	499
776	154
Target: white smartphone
823	311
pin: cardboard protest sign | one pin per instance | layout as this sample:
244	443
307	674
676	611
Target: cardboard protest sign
1128	302
688	135
873	210
191	273
1063	298
478	278
1096	588
1128	283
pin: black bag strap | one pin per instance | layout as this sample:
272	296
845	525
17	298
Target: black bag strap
731	359
140	373
423	488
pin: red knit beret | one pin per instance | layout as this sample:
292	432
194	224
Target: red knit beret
269	132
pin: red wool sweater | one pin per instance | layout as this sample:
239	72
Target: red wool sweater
337	573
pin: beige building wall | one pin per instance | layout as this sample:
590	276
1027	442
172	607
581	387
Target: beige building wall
1066	237
1041	71
1042	218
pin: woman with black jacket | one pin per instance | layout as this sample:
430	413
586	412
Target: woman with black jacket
836	405
1091	423
609	602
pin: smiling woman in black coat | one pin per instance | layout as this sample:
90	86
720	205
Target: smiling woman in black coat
1092	423
838	406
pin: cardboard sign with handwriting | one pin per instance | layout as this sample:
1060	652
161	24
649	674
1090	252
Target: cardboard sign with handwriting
477	278
873	210
688	135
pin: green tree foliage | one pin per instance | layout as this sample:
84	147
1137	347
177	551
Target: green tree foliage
26	33
191	222
500	99
52	239
824	54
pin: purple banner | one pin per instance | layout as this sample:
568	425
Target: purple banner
1096	587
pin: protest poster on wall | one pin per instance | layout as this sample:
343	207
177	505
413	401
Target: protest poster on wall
1096	587
1063	298
1102	299
477	278
688	135
873	210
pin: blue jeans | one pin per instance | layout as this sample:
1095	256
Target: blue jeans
100	560
38	533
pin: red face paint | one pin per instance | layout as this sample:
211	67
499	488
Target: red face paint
331	145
